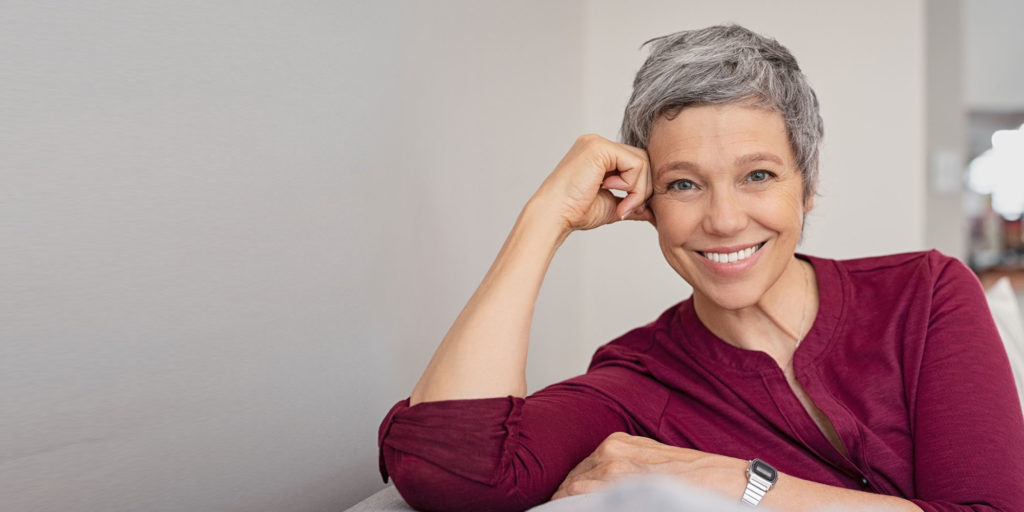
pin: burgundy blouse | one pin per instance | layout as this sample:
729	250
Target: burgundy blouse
903	358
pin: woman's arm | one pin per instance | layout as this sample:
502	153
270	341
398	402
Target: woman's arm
510	454
622	454
483	355
965	413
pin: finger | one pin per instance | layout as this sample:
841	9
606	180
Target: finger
645	182
607	204
578	487
563	488
633	206
648	180
583	467
615	181
635	172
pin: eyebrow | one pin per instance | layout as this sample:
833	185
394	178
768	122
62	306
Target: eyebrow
683	165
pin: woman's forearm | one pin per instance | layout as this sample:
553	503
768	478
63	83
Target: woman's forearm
483	355
796	494
622	455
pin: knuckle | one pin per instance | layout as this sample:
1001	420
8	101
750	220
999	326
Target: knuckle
636	151
617	437
617	467
576	487
612	444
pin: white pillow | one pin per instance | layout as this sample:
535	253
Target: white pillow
1007	313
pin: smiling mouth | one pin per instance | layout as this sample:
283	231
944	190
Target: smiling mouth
732	257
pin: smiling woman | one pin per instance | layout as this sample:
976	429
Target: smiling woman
800	381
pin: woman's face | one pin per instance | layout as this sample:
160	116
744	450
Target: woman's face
727	199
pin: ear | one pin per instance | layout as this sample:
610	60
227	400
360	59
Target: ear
809	204
650	218
649	214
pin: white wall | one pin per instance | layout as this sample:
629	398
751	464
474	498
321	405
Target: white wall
995	54
946	225
233	235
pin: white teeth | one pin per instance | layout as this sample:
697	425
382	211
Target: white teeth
732	257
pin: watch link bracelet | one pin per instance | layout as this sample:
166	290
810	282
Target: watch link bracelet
761	476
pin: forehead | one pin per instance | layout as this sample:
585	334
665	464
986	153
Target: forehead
708	136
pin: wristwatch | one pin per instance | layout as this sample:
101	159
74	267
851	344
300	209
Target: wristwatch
761	476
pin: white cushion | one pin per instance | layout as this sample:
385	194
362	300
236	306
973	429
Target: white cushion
1007	313
384	500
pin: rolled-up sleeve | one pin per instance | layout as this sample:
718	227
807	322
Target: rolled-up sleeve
470	438
504	453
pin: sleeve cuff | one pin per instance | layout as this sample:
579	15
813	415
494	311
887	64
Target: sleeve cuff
473	439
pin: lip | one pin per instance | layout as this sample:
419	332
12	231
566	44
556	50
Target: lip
738	267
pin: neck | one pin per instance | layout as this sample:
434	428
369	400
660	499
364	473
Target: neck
776	323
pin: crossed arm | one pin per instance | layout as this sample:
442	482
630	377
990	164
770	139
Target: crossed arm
622	454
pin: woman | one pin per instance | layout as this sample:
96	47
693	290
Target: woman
872	383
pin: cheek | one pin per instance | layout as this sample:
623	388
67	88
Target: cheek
777	213
675	226
675	221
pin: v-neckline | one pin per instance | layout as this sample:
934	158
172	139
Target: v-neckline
722	356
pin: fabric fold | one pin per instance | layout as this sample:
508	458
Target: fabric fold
472	438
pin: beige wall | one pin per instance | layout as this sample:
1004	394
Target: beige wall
994	54
232	236
946	226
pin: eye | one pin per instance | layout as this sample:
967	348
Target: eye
760	175
680	185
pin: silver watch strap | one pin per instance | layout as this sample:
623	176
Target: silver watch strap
757	487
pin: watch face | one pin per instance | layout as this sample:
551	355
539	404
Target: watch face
764	470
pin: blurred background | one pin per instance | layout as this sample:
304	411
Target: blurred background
234	232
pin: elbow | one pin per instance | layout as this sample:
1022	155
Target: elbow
427	487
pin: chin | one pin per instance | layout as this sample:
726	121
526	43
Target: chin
731	305
723	297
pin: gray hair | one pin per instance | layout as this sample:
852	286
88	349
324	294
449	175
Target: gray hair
726	64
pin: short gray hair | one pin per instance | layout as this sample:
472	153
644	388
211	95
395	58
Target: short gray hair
726	64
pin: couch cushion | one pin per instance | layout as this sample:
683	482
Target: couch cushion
1007	313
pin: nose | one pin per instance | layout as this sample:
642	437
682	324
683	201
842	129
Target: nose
725	215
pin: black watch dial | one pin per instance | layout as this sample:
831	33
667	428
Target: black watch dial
764	470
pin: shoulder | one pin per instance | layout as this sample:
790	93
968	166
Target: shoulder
899	269
906	288
632	348
894	262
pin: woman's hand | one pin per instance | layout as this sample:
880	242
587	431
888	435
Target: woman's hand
579	189
622	454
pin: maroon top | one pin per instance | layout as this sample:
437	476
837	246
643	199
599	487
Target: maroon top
903	358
